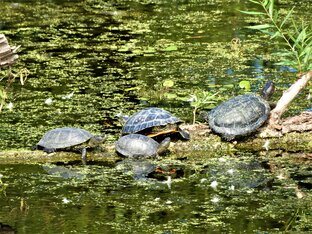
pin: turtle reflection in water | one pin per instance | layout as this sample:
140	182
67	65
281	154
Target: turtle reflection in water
138	146
74	139
140	169
153	122
143	169
241	115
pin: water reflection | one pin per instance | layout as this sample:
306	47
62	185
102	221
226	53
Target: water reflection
141	195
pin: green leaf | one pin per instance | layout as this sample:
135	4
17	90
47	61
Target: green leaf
170	95
170	48
271	7
245	84
256	2
276	34
261	26
265	3
287	17
252	12
301	37
3	93
168	83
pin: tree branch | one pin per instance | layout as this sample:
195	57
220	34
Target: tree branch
286	98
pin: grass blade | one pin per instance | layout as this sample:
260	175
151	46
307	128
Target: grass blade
256	2
261	26
287	17
252	12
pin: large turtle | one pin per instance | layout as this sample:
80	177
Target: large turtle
68	138
138	146
241	115
153	122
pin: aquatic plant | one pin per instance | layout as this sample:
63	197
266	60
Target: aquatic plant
8	57
22	74
3	186
200	100
295	35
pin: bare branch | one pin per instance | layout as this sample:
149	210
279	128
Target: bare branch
286	99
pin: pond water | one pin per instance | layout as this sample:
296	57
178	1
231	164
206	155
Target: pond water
227	194
89	60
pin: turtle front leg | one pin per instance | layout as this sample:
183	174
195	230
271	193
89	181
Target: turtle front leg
84	156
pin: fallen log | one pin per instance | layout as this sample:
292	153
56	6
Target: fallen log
203	144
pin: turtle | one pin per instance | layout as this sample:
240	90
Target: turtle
153	122
140	146
241	115
68	138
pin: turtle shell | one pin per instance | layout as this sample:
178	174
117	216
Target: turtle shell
149	118
60	138
137	145
239	116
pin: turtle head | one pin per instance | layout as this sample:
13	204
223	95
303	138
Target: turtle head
122	117
97	140
164	145
268	90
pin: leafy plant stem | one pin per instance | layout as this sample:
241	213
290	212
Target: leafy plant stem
279	29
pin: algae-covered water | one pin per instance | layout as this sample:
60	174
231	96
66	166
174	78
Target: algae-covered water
224	195
89	60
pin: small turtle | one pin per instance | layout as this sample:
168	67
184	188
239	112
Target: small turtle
242	114
72	138
153	122
137	145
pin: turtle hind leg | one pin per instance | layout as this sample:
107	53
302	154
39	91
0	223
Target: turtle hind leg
49	150
36	147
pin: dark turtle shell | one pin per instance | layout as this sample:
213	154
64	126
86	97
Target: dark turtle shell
61	138
137	145
148	118
239	116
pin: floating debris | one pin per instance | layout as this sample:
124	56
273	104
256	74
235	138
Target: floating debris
214	184
10	106
230	171
266	145
215	199
48	101
69	96
65	200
